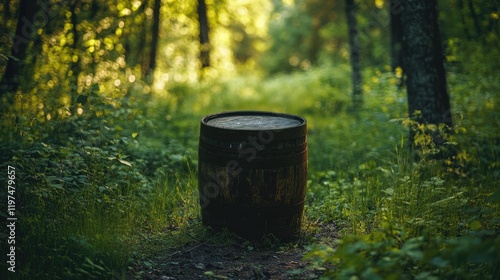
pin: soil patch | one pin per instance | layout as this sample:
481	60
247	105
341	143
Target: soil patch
234	258
240	259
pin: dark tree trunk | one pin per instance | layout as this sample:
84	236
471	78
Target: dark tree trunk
6	10
154	41
462	18
395	10
75	65
475	20
94	8
141	48
204	39
135	38
428	99
355	47
26	32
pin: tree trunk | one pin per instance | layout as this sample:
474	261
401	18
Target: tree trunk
475	20
204	39
154	41
355	47
428	99
6	10
134	38
141	48
462	18
395	10
26	32
75	65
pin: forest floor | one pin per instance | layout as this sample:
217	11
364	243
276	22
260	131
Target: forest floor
235	258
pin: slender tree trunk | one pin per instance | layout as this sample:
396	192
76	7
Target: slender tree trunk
428	99
475	20
395	10
141	48
462	18
6	10
154	41
135	37
75	65
94	8
26	32
355	47
204	39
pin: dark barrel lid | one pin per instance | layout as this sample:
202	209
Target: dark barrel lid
256	122
228	124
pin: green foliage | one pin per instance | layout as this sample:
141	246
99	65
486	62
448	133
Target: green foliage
430	216
112	184
107	162
388	253
289	30
92	188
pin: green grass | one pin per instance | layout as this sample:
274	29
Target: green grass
105	191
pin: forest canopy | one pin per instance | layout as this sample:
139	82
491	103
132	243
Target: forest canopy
110	43
100	114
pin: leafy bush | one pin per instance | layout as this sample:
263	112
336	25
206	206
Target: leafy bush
389	253
88	186
100	184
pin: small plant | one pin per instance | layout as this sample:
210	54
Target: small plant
389	253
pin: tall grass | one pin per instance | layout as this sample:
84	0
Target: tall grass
103	191
84	201
430	217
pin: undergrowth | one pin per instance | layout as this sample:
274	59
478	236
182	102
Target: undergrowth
111	187
427	213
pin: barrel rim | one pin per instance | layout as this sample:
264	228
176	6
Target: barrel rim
204	121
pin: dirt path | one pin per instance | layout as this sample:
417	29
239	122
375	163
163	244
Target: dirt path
236	259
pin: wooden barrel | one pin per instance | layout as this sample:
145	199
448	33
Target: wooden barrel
252	172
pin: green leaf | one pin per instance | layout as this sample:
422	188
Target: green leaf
475	225
495	197
426	275
439	262
211	274
13	58
68	179
125	162
412	248
57	186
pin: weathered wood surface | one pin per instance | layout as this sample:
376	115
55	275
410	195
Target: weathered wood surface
253	181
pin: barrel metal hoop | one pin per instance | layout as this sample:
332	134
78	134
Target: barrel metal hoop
235	144
260	151
257	162
255	213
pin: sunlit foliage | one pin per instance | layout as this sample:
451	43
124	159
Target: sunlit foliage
108	158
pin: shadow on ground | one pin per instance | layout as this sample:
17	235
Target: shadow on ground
235	258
